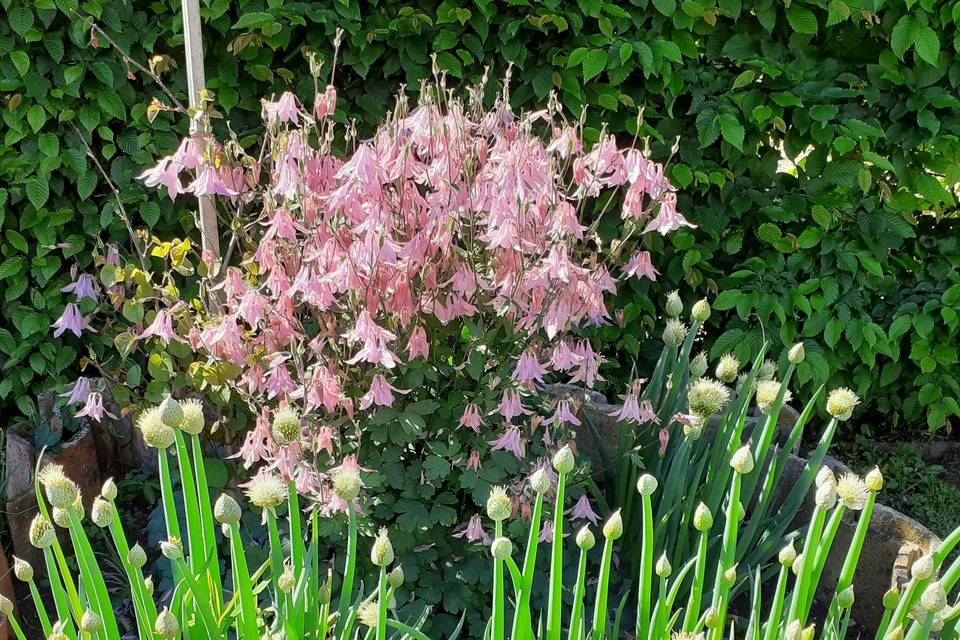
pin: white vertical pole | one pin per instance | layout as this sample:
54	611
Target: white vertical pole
196	82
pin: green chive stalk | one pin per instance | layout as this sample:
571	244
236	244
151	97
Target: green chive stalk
612	530
563	464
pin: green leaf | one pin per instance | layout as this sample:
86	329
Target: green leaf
86	183
903	35
744	79
926	44
21	61
732	130
801	19
20	20
666	7
38	190
594	63
49	144
36	116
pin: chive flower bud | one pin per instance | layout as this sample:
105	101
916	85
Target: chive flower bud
267	491
137	557
396	578
42	533
166	625
286	581
170	412
6	606
702	518
57	632
148	584
674	306
501	548
694	430
674	333
825	476
368	613
286	426
109	490
852	492
841	403
663	567
323	593
845	598
934	597
585	539
767	370
698	366
701	310
22	569
727	368
499	505
796	355
808	633
647	484
793	631
788	555
156	433
874	479
923	568
707	397
712	618
613	527
172	549
381	554
192	422
563	461
61	491
102	513
797	564
826	496
742	460
90	621
347	484
895	634
226	510
892	597
730	576
767	393
540	481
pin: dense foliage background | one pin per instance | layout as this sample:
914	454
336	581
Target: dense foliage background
817	152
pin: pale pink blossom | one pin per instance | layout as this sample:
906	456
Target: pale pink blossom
632	410
511	406
73	321
82	287
528	368
588	364
418	345
162	328
283	110
510	441
473	462
380	393
640	264
78	392
582	510
471	417
166	174
473	531
94	407
563	414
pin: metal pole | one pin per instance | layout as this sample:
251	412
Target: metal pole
196	82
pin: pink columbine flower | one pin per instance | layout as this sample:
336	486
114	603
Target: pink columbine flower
162	327
374	338
510	441
473	531
664	437
326	102
528	368
562	358
473	462
166	173
417	345
283	110
380	393
563	414
668	219
583	511
630	410
471	417
82	287
73	321
78	392
640	264
546	531
511	406
94	408
588	364
647	414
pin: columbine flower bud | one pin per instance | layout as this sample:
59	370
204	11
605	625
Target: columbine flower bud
381	553
102	513
891	598
796	354
613	527
90	622
852	491
706	397
109	490
347	484
267	491
226	510
170	412
286	581
42	533
585	539
663	567
923	567
934	597
540	481
22	569
166	625
193	421
874	479
841	403
172	549
674	333
826	496
61	491
701	310
742	460
156	433
286	425
499	505
702	518
563	461
137	557
148	584
501	548
845	598
788	555
674	306
396	578
712	618
727	368
6	606
647	484
698	366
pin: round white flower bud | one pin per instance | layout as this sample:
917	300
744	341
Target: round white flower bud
706	397
90	621
137	557
923	567
793	631
102	512
156	433
674	333
166	625
796	354
267	491
170	412
22	569
702	518
396	578
172	549
846	598
347	484
891	598
727	368
540	481
381	553
825	476
286	581
767	393
934	597
797	564
698	366
226	510
742	460
674	305
148	584
42	533
61	491
501	548
826	496
585	539
6	606
730	576
499	505
663	567
712	618
874	479
563	461
788	555
841	403
193	421
286	426
109	490
613	527
701	310
647	485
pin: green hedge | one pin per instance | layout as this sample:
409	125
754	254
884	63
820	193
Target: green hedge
817	151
